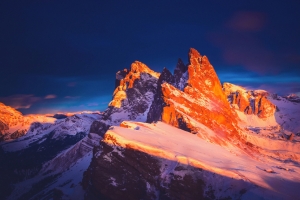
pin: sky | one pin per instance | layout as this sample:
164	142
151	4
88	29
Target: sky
62	56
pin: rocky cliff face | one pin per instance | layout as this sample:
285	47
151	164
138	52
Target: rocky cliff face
151	161
250	102
222	159
293	98
193	95
132	98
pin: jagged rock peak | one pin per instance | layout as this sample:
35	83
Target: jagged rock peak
203	77
139	67
125	80
166	76
197	95
158	103
180	75
194	56
180	67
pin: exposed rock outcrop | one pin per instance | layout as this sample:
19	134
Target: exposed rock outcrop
127	78
250	101
193	95
133	96
293	98
158	102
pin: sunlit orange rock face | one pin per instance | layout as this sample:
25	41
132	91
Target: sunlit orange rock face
201	101
250	102
13	124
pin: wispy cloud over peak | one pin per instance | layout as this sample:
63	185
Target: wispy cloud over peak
50	96
19	101
72	97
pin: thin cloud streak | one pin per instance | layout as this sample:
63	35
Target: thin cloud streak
21	101
50	96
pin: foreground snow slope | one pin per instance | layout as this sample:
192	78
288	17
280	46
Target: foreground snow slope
263	177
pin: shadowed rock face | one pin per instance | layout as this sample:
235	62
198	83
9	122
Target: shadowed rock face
126	80
133	95
158	102
99	128
3	127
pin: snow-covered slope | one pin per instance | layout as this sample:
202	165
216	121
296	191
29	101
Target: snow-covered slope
24	157
288	114
282	123
177	155
61	175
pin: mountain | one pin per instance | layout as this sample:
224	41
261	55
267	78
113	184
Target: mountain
42	139
133	95
13	124
180	135
200	102
223	151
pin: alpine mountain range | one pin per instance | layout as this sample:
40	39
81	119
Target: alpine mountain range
180	135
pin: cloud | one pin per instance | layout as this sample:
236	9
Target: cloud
72	97
50	96
20	101
247	21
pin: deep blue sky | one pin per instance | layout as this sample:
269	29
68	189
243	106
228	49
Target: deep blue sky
63	55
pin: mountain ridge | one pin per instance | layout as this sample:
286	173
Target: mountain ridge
135	148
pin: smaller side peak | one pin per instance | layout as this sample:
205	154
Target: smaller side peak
139	67
292	96
180	67
233	86
166	76
229	88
